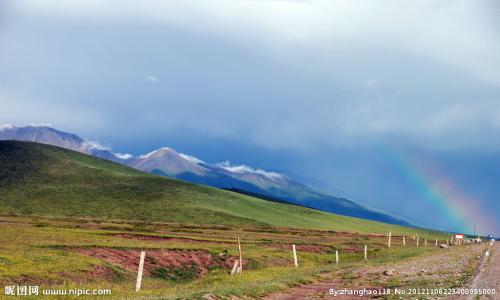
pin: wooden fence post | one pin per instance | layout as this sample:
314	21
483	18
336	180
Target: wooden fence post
436	242
139	272
366	252
404	241
295	256
337	256
418	240
425	242
240	268
235	267
389	241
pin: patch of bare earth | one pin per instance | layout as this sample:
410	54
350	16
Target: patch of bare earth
439	269
309	248
129	259
165	238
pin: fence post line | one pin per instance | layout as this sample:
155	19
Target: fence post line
366	252
295	256
139	272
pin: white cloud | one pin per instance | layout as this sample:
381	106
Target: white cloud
370	83
459	33
226	165
124	155
153	79
97	145
18	107
6	127
191	158
333	69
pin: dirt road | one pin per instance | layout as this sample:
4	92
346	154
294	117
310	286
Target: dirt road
488	275
454	267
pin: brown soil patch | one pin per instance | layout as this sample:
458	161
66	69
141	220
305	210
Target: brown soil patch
309	248
129	259
165	238
100	272
351	250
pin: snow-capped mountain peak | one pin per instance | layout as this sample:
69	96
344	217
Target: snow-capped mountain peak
167	161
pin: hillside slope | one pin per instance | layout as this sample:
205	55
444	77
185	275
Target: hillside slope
38	179
170	163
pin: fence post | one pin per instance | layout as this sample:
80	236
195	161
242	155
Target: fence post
436	242
337	256
366	252
425	242
139	272
295	256
235	267
240	268
418	240
389	241
404	241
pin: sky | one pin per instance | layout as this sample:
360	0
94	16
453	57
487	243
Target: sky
391	103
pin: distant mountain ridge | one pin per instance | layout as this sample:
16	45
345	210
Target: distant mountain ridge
168	162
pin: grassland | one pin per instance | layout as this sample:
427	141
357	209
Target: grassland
57	252
69	220
44	180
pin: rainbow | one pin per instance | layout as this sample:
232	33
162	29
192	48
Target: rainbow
459	210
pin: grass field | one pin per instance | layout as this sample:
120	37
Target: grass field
69	253
44	180
69	220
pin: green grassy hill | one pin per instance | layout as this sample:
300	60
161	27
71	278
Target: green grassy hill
37	179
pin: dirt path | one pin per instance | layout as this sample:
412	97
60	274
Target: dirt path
447	267
488	275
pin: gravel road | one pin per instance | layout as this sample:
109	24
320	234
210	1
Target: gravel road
488	274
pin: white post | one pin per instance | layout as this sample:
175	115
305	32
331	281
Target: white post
425	242
389	242
418	240
295	256
337	256
366	252
235	267
404	241
139	272
436	243
240	268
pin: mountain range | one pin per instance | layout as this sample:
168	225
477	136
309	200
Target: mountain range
168	162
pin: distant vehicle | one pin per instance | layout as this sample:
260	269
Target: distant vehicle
491	238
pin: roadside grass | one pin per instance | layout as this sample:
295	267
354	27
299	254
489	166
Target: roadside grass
43	251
